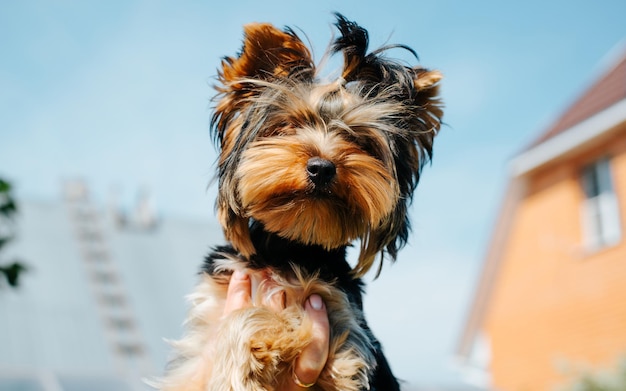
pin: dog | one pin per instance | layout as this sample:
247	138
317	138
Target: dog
306	168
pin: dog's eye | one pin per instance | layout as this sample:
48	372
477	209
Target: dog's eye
282	129
288	131
369	145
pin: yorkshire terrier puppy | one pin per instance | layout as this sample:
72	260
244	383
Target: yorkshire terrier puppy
306	168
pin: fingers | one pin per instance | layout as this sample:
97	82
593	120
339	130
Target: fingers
313	358
277	301
239	292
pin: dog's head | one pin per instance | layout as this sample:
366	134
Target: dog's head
321	163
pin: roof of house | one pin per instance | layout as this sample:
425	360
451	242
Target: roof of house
609	89
597	112
592	117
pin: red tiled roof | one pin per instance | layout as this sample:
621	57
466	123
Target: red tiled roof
608	90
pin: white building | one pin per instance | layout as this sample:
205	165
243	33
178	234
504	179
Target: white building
102	291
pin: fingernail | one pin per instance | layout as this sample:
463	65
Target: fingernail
316	302
239	275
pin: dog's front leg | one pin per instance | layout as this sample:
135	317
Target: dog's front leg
255	349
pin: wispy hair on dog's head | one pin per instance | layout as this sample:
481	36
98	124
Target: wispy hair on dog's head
322	163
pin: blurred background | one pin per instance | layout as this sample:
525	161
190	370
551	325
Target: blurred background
513	276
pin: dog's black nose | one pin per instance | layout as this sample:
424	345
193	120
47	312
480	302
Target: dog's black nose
321	171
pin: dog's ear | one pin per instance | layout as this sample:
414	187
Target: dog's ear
424	112
268	54
426	99
371	69
353	44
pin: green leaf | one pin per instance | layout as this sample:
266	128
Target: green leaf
8	208
5	186
12	273
4	240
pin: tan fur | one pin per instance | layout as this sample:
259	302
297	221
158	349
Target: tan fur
274	169
375	125
253	349
289	122
273	165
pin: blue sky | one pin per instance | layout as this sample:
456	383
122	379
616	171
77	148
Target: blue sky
118	92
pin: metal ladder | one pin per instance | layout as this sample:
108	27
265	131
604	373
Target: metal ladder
130	357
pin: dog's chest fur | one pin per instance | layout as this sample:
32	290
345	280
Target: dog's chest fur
330	266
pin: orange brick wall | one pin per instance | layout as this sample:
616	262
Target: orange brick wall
553	304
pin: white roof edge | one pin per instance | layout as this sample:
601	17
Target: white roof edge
569	140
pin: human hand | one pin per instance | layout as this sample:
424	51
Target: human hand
313	358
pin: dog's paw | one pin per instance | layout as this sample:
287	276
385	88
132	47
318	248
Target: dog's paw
256	348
